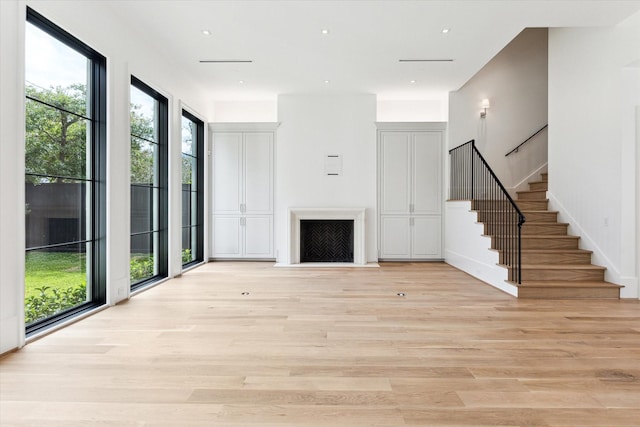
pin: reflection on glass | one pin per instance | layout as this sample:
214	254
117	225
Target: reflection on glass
55	281
61	82
55	212
188	137
143	115
142	257
143	159
189	168
141	208
55	142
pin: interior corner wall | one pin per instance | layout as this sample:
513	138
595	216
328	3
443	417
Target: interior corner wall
515	82
312	127
592	140
127	52
245	111
11	176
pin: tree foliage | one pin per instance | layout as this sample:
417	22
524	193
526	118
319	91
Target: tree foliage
56	136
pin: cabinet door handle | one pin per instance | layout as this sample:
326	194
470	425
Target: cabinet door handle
412	207
242	207
412	221
243	221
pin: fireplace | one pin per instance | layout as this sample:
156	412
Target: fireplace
326	240
352	219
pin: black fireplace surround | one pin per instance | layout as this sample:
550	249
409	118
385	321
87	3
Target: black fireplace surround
326	240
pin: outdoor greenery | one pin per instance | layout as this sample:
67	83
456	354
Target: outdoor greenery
54	281
55	149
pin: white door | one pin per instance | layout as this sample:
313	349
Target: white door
227	237
396	237
426	237
258	237
395	173
258	173
427	173
227	173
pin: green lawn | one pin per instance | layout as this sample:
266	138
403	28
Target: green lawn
53	269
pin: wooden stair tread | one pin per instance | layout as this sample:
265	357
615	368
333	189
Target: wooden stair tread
557	251
566	284
562	267
531	191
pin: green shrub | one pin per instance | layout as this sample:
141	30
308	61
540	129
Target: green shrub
141	268
50	301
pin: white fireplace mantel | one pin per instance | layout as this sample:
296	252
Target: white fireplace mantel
355	214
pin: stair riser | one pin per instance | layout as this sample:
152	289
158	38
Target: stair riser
541	216
550	243
570	275
545	177
567	293
486	216
529	229
533	205
536	195
538	186
555	258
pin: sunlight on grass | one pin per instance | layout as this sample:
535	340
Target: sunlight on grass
56	270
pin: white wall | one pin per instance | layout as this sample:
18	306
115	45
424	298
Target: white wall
591	141
426	110
515	82
126	53
312	126
11	175
245	111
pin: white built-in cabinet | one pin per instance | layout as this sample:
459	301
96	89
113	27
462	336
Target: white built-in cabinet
242	190
410	190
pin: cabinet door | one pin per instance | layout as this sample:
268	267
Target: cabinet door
227	173
427	173
396	238
227	237
258	234
394	173
258	172
426	238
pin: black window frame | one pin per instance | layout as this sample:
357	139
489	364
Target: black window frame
97	93
163	185
199	226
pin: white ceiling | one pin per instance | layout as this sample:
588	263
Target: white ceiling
361	52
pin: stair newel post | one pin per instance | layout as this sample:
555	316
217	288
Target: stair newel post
521	221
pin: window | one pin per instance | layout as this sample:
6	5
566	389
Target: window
65	161
192	189
149	182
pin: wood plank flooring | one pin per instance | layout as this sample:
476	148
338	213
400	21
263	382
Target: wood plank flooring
332	347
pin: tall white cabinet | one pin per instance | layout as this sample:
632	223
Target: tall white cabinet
410	190
242	161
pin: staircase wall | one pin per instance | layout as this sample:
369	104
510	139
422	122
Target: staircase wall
594	88
468	250
515	82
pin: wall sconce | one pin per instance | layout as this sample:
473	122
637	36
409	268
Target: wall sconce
485	105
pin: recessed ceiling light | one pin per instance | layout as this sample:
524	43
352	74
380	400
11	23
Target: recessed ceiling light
206	32
327	81
324	31
446	30
241	82
412	81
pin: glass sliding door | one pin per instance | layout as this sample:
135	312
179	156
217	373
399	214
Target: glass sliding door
65	110
192	189
149	180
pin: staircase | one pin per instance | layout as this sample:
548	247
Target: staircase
553	265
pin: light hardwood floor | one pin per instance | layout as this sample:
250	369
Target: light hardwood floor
332	347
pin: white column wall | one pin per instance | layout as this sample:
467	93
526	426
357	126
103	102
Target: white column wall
311	127
11	175
127	52
591	142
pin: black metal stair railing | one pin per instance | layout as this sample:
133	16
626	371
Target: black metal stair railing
472	179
